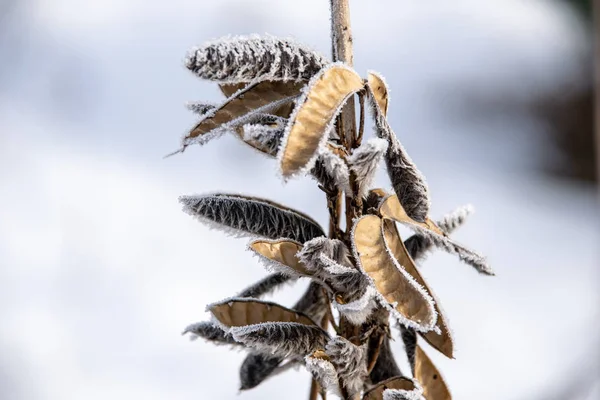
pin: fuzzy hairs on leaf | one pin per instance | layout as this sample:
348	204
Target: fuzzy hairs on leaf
365	161
281	339
257	367
201	108
243	59
248	216
465	255
408	182
323	371
209	331
331	171
399	394
418	245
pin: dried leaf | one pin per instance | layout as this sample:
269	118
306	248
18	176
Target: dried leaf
395	383
250	216
239	312
391	208
280	255
442	341
264	286
254	99
408	300
434	386
407	181
380	90
244	59
314	116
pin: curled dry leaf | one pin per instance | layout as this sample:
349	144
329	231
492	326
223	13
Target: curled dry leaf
261	96
244	312
399	290
395	383
442	341
434	386
380	90
251	216
280	251
314	115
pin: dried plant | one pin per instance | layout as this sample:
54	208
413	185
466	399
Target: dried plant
295	106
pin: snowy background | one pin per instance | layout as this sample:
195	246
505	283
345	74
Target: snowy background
100	270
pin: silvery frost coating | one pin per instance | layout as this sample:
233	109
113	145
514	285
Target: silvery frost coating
348	352
244	59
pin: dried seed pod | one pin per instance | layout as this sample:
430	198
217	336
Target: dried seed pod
268	327
209	331
409	338
250	216
240	312
242	107
408	182
434	386
391	208
407	300
284	110
440	338
244	59
380	90
395	383
257	367
314	116
280	255
385	366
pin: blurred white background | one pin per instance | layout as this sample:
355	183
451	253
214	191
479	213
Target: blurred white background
100	271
